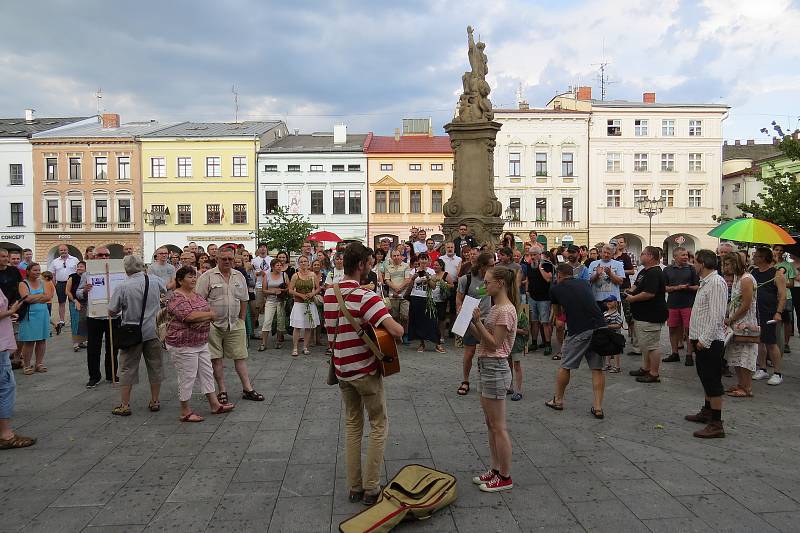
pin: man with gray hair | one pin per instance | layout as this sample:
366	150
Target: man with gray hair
138	298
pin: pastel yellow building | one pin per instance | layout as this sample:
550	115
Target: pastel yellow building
199	183
410	177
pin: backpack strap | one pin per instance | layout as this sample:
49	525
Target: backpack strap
361	332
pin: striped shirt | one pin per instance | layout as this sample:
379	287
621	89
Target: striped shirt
352	359
708	313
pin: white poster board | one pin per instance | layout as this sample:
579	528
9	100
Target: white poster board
465	315
105	276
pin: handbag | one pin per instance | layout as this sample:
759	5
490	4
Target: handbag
606	342
22	312
129	335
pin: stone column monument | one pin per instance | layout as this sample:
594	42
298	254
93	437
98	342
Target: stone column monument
472	136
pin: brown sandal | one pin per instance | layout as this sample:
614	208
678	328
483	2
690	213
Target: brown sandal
17	441
224	408
463	389
154	406
28	370
553	404
40	368
188	418
739	393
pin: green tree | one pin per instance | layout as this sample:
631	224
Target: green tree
780	195
285	231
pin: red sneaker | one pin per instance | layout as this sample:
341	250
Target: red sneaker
497	484
486	477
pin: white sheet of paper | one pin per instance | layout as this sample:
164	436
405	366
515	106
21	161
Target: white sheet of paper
465	316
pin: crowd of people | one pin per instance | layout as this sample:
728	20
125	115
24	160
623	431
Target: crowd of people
725	311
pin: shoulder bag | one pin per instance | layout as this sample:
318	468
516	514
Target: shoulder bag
22	312
129	335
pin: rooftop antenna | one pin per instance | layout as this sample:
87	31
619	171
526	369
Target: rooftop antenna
603	76
99	96
235	103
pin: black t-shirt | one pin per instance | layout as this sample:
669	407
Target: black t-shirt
10	278
538	288
627	264
675	275
655	309
468	240
577	299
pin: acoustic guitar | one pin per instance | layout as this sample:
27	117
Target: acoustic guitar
388	360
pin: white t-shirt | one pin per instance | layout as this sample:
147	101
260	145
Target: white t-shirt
261	264
334	276
420	246
451	265
63	268
420	287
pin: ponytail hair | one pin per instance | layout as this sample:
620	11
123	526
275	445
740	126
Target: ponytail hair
509	279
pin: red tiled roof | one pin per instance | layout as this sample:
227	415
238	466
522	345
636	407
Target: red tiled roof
385	144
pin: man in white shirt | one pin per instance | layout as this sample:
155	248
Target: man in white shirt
62	267
261	265
419	244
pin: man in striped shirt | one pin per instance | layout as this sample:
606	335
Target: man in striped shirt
357	370
707	334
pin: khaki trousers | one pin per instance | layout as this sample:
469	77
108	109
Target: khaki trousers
360	394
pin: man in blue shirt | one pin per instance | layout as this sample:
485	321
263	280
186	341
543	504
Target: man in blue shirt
606	275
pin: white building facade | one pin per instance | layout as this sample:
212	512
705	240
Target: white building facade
322	176
542	175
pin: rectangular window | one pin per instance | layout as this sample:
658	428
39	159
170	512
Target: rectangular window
334	168
541	164
514	164
437	166
436	202
567	164
668	128
240	213
158	167
614	162
415	166
541	209
16	214
567	212
354	168
640	127
640	162
380	202
315	168
614	127
338	203
695	128
101	168
515	205
184	214
270	168
213	167
317	203
124	168
695	162
394	201
51	164
74	169
75	211
124	211
415	201
101	211
239	169
184	167
639	195
270	201
15	174
613	197
213	214
355	202
668	195
667	162
386	167
695	198
52	211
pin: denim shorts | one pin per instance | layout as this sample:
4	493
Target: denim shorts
494	377
540	310
8	386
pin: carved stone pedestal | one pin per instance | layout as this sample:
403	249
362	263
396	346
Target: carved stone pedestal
473	202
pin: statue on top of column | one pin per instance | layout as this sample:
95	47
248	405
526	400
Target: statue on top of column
474	104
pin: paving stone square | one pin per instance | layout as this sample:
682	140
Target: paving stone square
278	465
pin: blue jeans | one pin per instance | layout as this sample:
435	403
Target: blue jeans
8	386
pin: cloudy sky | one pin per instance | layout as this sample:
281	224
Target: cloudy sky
371	63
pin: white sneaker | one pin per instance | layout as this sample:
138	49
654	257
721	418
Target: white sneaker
759	375
776	379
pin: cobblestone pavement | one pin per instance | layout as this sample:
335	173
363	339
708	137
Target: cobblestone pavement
279	465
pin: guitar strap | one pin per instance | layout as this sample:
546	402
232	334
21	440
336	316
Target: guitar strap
362	334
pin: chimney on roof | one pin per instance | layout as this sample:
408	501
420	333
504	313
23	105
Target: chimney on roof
339	133
725	143
737	142
29	115
584	93
524	105
751	142
109	120
397	134
649	98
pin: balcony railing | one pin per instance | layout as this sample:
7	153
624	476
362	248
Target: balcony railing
52	225
541	224
124	225
75	225
569	224
100	225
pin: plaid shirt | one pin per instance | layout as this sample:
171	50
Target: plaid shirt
181	333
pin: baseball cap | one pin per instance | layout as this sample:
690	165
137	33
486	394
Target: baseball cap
610	298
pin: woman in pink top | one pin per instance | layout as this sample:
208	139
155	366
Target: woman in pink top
8	386
187	343
496	338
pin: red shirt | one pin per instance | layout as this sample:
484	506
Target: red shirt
434	255
352	359
180	333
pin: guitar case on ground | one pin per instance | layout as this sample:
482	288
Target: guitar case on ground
415	493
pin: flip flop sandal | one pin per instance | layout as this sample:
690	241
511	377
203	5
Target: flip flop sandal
222	397
17	441
261	348
224	408
294	353
463	389
252	395
121	411
732	389
441	349
41	369
553	404
188	418
28	370
739	393
154	407
597	413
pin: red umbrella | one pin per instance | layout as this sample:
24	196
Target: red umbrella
326	236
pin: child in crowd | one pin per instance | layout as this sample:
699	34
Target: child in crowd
519	349
614	321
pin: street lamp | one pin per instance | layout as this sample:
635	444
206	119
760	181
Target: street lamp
156	217
650	207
